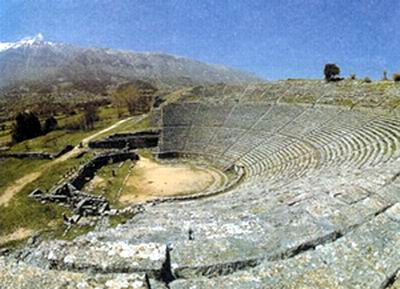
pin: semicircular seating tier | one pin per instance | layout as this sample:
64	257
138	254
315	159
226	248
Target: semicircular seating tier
280	143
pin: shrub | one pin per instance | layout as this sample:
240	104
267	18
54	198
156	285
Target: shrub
74	125
367	80
50	124
396	77
353	77
26	126
331	72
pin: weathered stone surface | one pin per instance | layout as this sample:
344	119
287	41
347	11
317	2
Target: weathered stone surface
101	257
22	276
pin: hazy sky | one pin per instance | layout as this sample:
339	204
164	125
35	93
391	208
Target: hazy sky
274	38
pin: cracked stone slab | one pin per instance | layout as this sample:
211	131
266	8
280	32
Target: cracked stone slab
104	257
391	193
241	281
396	282
364	258
23	276
155	284
191	259
393	213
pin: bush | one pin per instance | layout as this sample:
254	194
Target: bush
74	125
26	126
90	116
353	77
396	77
367	80
331	72
50	124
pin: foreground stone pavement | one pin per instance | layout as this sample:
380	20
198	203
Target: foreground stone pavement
318	207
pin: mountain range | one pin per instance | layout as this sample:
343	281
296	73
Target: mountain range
39	65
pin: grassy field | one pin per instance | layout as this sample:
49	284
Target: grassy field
23	212
109	181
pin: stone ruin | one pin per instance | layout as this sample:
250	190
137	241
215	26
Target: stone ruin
37	155
79	202
137	140
317	205
69	193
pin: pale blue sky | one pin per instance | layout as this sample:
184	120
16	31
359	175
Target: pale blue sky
275	39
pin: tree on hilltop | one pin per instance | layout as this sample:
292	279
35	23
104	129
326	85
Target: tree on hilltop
331	72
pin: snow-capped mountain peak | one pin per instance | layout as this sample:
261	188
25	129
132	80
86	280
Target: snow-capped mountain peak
25	42
32	40
42	64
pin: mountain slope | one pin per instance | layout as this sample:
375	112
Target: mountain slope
48	64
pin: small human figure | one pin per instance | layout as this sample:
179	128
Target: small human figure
66	220
191	237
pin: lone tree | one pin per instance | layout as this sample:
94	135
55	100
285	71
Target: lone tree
331	72
90	116
26	126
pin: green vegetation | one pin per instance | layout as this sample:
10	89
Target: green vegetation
27	126
146	153
23	212
56	140
132	124
119	219
344	101
13	169
331	72
137	96
367	79
109	181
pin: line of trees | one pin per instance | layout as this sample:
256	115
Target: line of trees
27	125
332	72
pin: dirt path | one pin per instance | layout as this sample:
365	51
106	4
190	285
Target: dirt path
76	150
19	184
19	234
151	179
